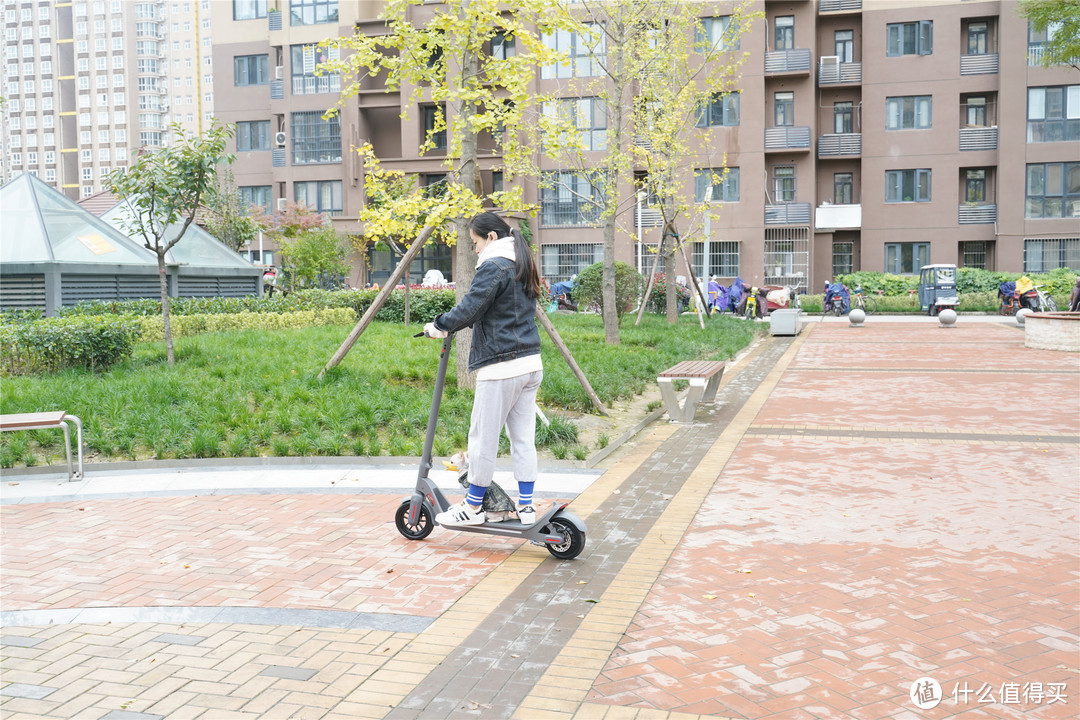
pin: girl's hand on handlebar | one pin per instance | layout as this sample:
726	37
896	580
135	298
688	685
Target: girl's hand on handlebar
433	332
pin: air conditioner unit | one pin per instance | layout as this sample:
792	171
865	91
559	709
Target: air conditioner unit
279	72
282	204
279	138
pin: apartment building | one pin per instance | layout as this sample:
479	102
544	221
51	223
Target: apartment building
86	84
866	135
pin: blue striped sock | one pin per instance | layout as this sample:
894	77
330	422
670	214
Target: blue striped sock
525	493
476	495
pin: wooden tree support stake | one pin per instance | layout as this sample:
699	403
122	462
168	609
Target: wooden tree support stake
555	338
379	300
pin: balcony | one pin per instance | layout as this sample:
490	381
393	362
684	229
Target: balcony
838	217
1036	51
312	85
838	144
787	214
978	138
972	214
788	61
838	73
787	138
979	64
830	6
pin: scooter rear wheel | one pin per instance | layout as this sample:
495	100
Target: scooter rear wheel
424	524
573	539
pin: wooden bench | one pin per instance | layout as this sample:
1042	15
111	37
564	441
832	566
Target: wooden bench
46	421
704	377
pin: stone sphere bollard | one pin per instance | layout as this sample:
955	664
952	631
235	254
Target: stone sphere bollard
1021	315
947	318
856	317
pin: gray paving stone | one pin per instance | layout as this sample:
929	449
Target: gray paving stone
173	639
20	641
128	715
289	673
30	692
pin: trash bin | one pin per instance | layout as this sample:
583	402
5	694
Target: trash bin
785	322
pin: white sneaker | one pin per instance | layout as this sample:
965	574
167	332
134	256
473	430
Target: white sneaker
461	514
526	514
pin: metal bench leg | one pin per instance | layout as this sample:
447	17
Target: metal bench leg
67	447
78	433
670	401
693	397
711	388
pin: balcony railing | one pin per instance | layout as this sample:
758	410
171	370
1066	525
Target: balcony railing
312	85
277	89
1035	53
979	64
838	217
797	60
839	144
787	214
785	138
977	214
648	217
839	73
825	6
979	138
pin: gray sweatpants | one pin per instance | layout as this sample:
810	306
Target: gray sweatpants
510	403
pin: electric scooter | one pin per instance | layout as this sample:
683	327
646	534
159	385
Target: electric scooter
561	532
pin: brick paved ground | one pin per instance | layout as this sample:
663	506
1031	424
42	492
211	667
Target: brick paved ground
864	507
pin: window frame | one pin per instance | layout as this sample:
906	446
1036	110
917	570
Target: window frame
729	186
312	12
897	181
1055	191
895	261
337	199
723	104
313	138
909	38
262	66
258	9
921	112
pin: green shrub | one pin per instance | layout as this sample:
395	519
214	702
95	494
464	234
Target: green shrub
968	280
628	284
657	302
153	328
51	344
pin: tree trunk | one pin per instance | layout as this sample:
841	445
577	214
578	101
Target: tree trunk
163	279
671	297
695	292
611	199
468	175
651	281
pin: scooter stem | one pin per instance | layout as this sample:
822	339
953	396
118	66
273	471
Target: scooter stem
436	400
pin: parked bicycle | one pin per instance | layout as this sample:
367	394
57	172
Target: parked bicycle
1046	301
864	302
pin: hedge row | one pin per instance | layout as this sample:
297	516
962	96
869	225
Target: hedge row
153	328
424	304
968	280
51	344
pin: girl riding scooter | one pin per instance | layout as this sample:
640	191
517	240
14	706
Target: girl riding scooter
505	354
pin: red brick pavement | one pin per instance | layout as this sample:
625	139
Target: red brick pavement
822	576
289	551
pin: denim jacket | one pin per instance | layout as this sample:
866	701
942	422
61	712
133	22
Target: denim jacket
500	314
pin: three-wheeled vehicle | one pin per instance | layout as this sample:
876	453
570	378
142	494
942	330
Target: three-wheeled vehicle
937	288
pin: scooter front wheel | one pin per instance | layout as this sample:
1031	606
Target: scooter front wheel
424	523
573	539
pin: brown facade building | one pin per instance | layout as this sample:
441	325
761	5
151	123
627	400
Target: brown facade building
866	135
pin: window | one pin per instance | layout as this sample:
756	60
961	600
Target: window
585	53
586	115
975	186
251	70
1037	40
843	117
906	258
907	185
717	33
313	12
1053	114
304	60
714	185
1050	254
843	257
1053	190
975	111
321	195
315	140
843	189
913	38
566	198
562	261
723	260
502	46
974	254
248	9
784	34
434	118
977	38
88	173
252	135
912	112
721	110
783	177
783	109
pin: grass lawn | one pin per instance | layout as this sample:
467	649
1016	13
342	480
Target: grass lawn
255	393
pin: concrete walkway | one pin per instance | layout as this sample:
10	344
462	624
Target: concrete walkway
864	508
